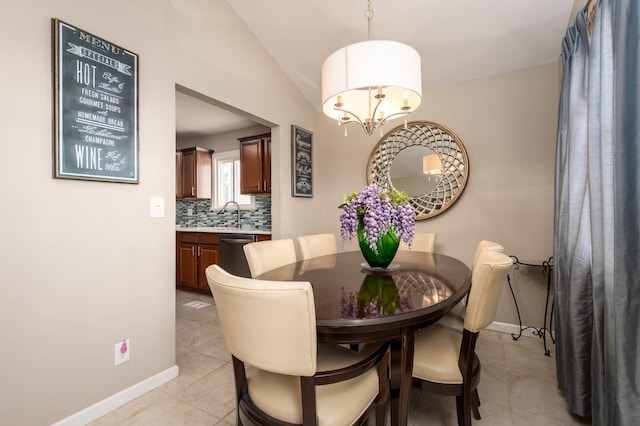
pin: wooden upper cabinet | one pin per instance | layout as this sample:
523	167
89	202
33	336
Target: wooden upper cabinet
194	178
178	174
255	164
266	164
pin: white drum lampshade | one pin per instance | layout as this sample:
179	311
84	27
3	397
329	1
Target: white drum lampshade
371	82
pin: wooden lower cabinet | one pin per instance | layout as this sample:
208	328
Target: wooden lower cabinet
209	255
195	251
186	262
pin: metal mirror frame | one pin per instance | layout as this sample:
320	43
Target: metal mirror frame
441	140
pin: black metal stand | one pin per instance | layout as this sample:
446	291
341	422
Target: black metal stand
547	268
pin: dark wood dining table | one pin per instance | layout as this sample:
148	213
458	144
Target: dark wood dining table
355	304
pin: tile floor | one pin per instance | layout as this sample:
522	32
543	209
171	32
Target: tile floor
518	385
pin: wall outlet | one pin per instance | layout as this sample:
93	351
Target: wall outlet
122	351
189	211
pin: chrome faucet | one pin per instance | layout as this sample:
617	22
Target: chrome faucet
224	209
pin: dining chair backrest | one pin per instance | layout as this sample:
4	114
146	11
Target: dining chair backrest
317	245
455	317
263	256
488	277
422	241
485	244
270	325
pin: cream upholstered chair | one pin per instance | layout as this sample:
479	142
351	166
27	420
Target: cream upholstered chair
281	373
317	245
445	360
455	317
486	244
422	241
263	256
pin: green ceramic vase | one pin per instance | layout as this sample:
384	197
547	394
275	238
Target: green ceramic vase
387	247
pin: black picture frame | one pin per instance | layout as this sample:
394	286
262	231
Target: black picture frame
301	162
95	107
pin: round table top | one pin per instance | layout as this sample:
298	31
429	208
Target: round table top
417	289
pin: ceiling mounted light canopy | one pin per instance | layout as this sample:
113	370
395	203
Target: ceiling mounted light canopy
371	82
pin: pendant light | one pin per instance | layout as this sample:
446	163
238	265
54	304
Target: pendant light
431	165
371	82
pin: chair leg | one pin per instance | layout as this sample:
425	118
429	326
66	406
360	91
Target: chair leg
381	413
476	396
463	408
382	400
475	403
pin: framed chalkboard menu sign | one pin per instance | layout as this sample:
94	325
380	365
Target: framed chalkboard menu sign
302	179
96	107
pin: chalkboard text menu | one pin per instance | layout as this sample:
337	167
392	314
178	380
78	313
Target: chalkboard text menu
96	107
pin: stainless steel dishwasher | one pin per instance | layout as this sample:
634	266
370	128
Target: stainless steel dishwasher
232	258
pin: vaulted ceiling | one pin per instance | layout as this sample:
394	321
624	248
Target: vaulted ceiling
458	40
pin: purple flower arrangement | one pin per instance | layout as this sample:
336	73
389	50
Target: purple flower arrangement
380	210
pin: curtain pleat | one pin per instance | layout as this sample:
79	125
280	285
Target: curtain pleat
572	251
601	164
625	302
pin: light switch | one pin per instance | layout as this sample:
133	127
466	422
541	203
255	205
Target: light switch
157	207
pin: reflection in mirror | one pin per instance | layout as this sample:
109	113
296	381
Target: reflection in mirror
431	165
424	159
408	172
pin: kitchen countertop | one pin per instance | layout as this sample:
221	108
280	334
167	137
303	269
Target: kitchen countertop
224	230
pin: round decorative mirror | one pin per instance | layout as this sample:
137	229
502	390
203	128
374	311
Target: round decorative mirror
426	160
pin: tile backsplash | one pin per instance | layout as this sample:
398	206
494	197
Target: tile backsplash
202	216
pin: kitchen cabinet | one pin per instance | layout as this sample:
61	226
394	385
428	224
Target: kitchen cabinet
193	173
178	174
195	251
255	164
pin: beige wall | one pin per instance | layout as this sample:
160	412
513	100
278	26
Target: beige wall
507	123
83	265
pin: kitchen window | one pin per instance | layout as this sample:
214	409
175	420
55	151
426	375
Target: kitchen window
226	181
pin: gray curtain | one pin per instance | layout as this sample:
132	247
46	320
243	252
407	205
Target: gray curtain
597	217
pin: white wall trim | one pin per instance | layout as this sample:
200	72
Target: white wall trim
114	401
504	327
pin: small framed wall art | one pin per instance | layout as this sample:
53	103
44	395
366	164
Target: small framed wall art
95	107
301	167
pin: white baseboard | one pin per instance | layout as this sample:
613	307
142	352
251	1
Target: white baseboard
112	402
504	327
